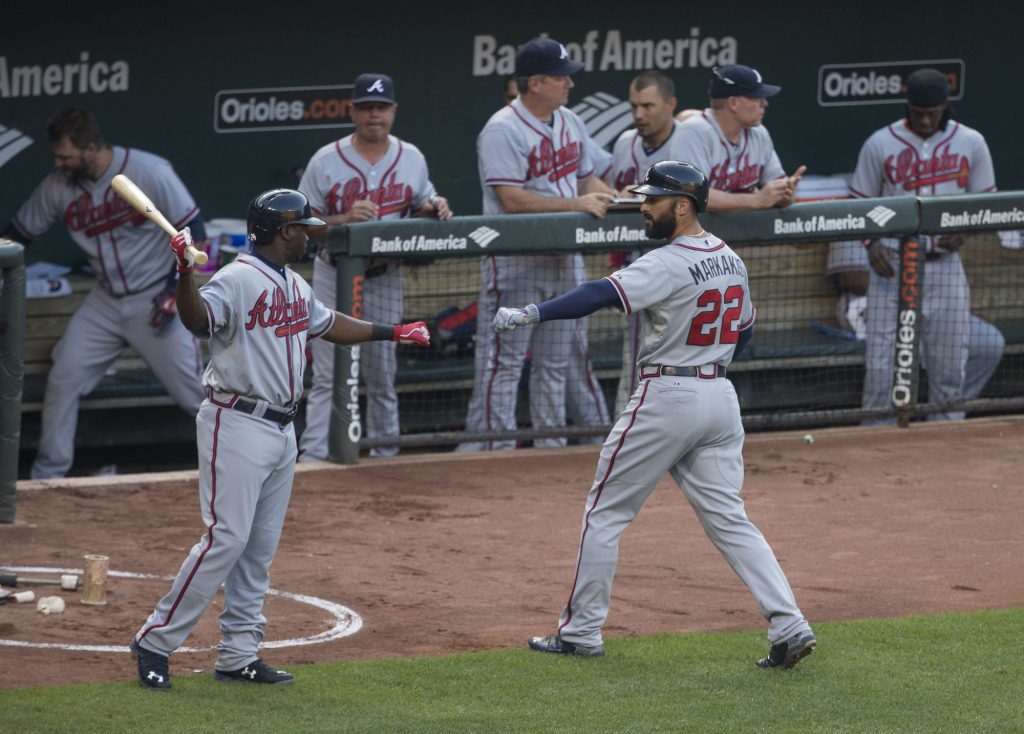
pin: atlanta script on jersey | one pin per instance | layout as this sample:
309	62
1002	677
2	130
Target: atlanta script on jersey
260	320
127	251
735	168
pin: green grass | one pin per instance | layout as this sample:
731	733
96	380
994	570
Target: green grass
961	673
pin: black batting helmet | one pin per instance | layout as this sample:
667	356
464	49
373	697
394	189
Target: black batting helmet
675	178
273	209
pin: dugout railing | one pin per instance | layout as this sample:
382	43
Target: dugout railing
800	369
12	340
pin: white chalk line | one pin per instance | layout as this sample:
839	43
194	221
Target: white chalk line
346	621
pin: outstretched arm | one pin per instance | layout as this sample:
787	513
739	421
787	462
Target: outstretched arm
581	301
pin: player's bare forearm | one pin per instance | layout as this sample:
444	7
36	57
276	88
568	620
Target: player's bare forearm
722	202
347	330
515	200
594	185
191	309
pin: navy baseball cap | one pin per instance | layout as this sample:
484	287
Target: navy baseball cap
927	88
373	88
544	56
737	80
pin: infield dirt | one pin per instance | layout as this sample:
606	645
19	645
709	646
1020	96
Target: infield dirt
442	553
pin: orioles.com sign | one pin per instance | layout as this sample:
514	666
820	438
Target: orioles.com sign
881	82
282	108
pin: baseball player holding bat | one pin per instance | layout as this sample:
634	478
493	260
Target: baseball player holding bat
683	418
134	303
258	315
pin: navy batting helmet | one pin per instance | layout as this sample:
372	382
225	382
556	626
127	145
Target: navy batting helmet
272	210
675	178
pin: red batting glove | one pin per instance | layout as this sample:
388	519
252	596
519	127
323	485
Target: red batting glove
179	246
415	333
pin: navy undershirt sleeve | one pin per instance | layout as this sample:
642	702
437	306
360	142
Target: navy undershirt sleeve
744	337
582	300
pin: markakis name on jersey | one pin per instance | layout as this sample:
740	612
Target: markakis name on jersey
984	216
620	233
81	77
613	53
417	243
820	223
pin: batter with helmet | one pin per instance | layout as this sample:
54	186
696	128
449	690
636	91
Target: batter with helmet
258	315
683	417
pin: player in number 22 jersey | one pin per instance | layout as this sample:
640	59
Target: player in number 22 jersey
683	417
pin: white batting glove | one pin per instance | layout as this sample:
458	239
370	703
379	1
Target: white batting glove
509	318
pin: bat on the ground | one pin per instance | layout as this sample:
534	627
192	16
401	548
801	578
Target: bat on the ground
69	582
141	203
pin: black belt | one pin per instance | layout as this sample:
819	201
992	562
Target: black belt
281	417
705	372
936	255
143	289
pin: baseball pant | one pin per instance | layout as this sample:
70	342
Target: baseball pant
246	467
945	333
515	281
383	304
97	334
689	427
584	401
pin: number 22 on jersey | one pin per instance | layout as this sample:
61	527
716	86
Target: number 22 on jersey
718	321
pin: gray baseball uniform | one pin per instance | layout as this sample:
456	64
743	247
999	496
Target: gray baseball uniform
260	318
130	257
399	183
694	298
516	149
630	161
895	161
733	167
985	342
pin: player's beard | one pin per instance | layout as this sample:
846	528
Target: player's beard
662	227
74	176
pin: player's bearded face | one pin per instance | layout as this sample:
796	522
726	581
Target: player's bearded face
71	161
659	218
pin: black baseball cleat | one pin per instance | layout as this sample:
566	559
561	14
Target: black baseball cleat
153	669
789	652
256	672
555	644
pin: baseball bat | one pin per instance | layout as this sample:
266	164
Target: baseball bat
69	582
141	203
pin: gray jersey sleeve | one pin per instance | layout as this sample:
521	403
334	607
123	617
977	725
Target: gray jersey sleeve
44	207
220	295
502	155
643	283
695	145
321	318
419	177
867	176
983	175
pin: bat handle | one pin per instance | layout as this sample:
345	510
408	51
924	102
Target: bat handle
200	256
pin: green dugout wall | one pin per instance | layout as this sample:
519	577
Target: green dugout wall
238	96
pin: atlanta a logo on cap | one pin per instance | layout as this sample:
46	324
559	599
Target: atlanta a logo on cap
377	86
